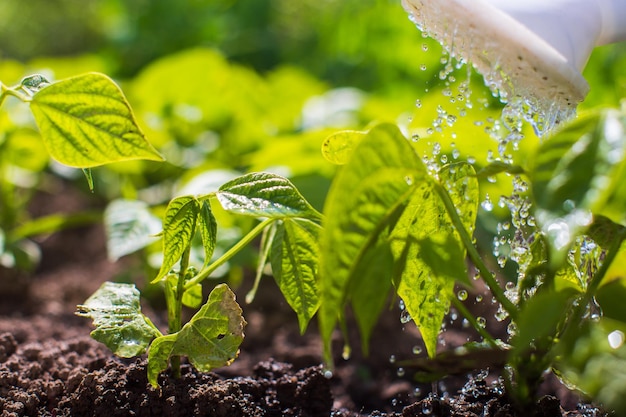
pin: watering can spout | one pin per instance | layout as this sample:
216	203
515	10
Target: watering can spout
572	27
530	48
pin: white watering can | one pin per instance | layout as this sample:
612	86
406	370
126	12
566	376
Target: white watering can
533	48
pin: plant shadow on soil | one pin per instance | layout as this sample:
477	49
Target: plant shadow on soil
50	367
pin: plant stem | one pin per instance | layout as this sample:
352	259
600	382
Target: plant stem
486	275
202	275
175	310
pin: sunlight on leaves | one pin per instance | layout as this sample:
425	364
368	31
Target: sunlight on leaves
208	230
85	121
425	242
210	339
337	148
264	195
179	226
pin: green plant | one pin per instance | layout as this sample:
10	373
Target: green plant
394	222
213	335
84	122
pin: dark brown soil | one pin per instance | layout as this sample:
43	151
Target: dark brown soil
50	367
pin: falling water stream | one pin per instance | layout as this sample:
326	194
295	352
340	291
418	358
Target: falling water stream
523	107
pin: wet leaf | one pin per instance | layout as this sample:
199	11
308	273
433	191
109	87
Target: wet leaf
120	325
425	242
338	147
129	226
85	121
179	226
294	258
361	203
210	339
575	175
264	195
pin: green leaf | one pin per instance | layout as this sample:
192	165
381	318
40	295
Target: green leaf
370	292
208	231
85	121
444	254
193	296
611	298
604	232
425	242
362	202
575	174
120	325
129	226
210	339
593	359
539	318
264	195
179	226
294	258
338	147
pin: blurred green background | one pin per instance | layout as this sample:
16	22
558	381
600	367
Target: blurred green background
223	87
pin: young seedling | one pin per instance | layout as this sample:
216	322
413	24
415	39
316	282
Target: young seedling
84	122
212	337
393	224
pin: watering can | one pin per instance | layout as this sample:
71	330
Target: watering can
534	48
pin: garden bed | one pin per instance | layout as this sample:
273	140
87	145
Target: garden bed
50	366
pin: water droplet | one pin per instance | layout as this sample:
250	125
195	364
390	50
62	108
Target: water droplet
392	359
479	298
415	137
481	321
511	329
616	339
456	154
424	47
418	103
417	392
462	295
328	374
400	372
405	317
417	350
423	67
487	205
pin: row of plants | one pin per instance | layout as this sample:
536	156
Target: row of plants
389	224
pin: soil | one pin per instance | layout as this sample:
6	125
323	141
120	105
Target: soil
49	366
